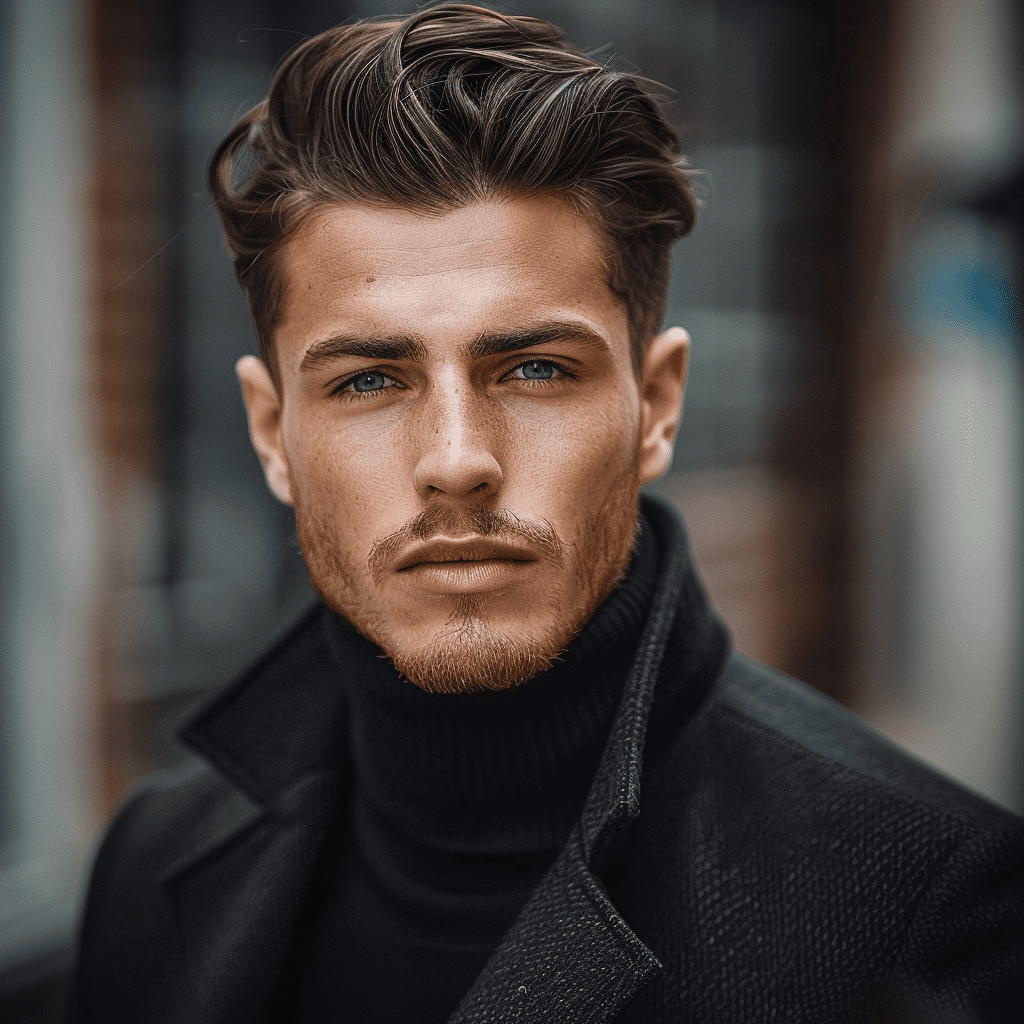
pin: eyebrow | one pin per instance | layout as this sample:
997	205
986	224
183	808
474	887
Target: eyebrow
390	347
413	347
498	343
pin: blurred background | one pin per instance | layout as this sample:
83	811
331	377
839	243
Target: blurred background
849	462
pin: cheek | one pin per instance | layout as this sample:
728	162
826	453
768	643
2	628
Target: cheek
575	455
340	477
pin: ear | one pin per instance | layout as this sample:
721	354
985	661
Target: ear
662	384
263	408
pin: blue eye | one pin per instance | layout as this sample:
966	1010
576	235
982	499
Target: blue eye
536	370
371	381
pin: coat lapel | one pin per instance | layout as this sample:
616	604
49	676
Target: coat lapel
276	739
570	957
236	905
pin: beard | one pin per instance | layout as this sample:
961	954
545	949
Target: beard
470	654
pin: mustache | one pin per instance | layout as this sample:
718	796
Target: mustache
443	520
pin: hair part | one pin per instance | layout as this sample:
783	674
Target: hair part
452	105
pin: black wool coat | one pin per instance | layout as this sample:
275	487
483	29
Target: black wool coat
749	851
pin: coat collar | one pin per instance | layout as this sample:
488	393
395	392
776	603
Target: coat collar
282	720
277	737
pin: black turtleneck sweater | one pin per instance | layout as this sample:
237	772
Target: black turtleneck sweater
456	807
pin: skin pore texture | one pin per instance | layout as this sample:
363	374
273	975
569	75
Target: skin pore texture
460	429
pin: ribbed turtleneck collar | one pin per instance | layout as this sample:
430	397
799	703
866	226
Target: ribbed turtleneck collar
495	772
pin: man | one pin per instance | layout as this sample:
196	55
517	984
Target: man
509	769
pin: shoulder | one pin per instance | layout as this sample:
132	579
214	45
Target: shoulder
801	731
126	938
778	828
769	768
940	865
168	816
782	790
798	724
176	813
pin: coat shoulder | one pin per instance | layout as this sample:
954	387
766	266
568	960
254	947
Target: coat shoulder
171	817
177	821
799	722
788	856
175	814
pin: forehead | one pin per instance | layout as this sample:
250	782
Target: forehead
366	269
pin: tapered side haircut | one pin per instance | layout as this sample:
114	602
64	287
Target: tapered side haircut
449	106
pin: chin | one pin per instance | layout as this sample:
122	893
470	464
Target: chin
471	655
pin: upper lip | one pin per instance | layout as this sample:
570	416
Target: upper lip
471	549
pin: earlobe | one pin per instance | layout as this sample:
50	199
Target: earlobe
662	385
263	409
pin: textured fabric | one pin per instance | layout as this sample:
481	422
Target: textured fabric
458	806
748	851
900	888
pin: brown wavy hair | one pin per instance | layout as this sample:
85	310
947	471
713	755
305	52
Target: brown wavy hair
452	105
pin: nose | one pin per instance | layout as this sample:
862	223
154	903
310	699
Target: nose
456	445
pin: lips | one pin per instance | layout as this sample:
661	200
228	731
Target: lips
448	552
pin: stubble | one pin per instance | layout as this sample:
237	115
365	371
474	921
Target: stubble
470	654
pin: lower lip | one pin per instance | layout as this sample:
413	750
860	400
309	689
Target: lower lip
465	577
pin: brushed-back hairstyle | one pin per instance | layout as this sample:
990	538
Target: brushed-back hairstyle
452	105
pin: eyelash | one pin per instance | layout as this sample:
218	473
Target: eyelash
341	387
564	371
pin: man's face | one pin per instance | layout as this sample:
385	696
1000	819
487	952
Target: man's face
460	429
